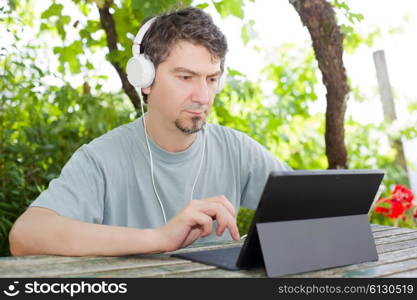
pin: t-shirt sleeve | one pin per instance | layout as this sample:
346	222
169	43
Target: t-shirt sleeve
79	191
258	163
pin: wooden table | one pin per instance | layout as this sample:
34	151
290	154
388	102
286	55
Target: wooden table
397	249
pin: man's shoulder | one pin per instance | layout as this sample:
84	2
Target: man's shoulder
119	139
229	136
221	131
235	141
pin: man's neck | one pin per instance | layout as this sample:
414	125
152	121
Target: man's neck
169	139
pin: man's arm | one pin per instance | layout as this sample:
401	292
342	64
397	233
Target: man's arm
43	231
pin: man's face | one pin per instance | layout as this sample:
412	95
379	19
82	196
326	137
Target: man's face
184	88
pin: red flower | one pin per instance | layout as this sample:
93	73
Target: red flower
404	195
397	209
401	200
382	210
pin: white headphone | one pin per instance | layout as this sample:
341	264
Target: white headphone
141	73
140	69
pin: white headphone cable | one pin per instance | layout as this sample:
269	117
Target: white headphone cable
151	162
201	163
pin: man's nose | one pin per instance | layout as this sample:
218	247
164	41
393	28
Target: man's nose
201	92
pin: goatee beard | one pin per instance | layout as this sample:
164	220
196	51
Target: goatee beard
190	130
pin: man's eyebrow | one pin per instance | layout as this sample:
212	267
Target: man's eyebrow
185	70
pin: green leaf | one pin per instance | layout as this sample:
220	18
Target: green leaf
74	65
248	33
151	8
234	73
89	66
203	5
230	7
53	10
136	4
68	55
65	19
84	8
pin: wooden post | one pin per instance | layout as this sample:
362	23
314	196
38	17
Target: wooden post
388	105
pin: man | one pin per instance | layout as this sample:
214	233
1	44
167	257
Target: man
114	194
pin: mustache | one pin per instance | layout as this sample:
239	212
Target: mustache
196	107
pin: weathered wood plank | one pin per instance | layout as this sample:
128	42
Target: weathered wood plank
107	264
38	260
384	258
377	227
397	238
383	248
392	232
407	274
165	270
383	270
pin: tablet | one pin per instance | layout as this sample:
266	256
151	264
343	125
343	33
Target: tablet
314	196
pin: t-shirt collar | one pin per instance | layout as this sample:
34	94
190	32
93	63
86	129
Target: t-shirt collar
170	157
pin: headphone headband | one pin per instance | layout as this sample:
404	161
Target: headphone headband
139	37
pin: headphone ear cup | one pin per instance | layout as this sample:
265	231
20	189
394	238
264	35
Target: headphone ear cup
140	71
221	82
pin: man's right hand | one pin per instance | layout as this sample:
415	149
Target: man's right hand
196	220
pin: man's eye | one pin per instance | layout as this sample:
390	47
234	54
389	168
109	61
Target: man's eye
186	78
213	79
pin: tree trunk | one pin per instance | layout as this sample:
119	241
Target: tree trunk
319	17
107	23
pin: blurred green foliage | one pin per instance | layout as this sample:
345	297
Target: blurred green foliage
44	117
40	129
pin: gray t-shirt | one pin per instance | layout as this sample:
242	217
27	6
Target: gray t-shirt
108	181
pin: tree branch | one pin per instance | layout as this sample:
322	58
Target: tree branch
109	26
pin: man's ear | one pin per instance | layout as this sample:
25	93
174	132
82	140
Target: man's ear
147	90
